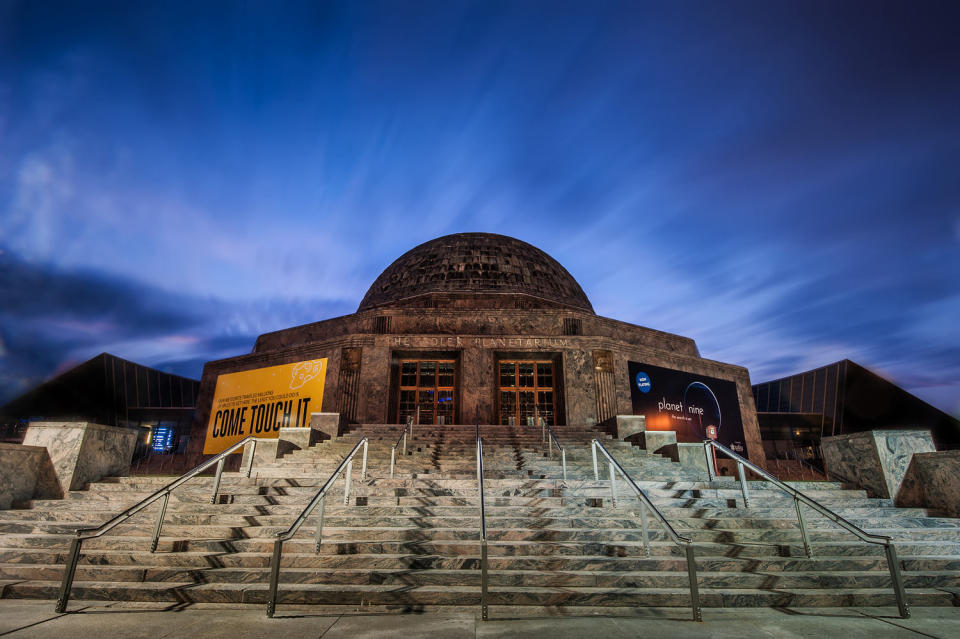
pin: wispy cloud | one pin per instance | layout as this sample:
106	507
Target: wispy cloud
779	185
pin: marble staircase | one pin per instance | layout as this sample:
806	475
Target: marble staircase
412	540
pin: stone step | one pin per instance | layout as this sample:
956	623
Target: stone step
345	594
142	558
471	576
429	546
238	514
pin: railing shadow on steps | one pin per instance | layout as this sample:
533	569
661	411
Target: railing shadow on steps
403	437
547	437
319	499
483	530
82	534
684	542
799	498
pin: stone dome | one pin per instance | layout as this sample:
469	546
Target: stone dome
475	270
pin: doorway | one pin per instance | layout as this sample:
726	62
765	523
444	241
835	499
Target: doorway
526	390
429	385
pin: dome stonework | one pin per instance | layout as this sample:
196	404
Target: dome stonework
484	268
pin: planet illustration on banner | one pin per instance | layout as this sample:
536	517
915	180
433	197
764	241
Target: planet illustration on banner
699	395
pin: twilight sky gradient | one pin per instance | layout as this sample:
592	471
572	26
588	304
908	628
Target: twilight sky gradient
778	180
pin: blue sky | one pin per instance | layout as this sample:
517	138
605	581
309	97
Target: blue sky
777	180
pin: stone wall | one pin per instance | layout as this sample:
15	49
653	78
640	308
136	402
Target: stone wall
26	473
932	481
477	339
82	452
875	460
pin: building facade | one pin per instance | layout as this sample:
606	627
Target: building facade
484	328
795	412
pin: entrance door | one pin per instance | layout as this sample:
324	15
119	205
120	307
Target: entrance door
526	391
428	385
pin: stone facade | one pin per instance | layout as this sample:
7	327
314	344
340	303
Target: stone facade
82	452
545	316
26	473
932	481
875	460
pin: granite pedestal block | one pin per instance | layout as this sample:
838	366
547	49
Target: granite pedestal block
329	424
625	426
655	440
932	481
83	452
265	452
689	455
291	439
875	460
26	473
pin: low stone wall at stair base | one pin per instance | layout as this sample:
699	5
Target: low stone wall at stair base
82	452
26	472
875	460
932	481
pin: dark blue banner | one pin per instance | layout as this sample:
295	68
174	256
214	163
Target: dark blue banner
689	404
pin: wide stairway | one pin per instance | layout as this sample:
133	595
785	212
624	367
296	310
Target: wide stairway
413	540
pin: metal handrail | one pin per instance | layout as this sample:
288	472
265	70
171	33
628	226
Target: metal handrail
483	529
891	552
319	499
685	542
82	534
551	440
403	436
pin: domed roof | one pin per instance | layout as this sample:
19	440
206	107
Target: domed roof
485	267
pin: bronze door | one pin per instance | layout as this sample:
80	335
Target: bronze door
429	385
526	391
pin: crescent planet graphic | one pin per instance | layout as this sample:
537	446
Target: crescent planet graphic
716	403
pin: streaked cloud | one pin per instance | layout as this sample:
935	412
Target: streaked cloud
776	182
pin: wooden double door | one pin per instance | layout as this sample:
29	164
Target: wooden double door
526	390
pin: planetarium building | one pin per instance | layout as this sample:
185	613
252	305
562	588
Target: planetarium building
477	328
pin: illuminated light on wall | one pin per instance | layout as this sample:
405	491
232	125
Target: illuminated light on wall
162	439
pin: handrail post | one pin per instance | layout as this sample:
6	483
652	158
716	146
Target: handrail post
393	460
596	471
743	485
643	526
803	529
484	580
253	450
363	469
613	486
156	529
68	572
274	575
694	589
706	452
563	455
479	487
404	444
346	489
216	480
893	563
317	537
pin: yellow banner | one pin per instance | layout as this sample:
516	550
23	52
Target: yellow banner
260	402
